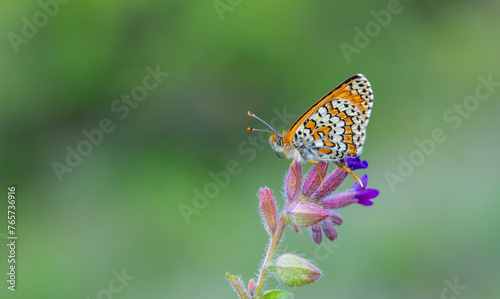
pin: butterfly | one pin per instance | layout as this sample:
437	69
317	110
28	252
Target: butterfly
332	129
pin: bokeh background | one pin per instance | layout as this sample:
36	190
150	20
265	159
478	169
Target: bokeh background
434	224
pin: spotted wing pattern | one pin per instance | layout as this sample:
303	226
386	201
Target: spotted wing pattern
334	128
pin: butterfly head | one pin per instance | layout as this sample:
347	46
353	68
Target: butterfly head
276	142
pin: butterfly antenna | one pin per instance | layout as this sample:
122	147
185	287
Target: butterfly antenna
252	129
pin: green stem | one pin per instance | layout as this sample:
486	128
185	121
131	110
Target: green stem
273	246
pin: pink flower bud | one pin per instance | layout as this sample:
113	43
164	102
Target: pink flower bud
268	208
329	229
251	285
336	218
294	270
316	233
340	200
293	182
304	214
331	183
313	180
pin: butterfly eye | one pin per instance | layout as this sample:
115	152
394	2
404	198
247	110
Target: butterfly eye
279	140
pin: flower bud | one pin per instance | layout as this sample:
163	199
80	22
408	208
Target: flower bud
329	229
314	178
306	214
316	233
293	182
331	183
336	218
340	200
251	286
268	208
294	270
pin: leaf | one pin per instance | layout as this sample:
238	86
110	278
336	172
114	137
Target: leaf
276	294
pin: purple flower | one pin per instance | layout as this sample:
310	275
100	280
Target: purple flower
364	195
355	163
302	194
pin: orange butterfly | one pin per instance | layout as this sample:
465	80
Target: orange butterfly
332	129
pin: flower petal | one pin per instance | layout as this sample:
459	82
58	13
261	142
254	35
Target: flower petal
364	197
355	163
357	187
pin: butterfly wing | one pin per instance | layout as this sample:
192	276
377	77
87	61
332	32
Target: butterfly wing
334	127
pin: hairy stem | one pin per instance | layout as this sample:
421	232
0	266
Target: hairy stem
273	245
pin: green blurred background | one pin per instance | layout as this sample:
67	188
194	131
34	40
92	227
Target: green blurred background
120	208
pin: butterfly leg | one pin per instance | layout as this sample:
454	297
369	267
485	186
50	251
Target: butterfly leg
319	172
346	169
291	166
